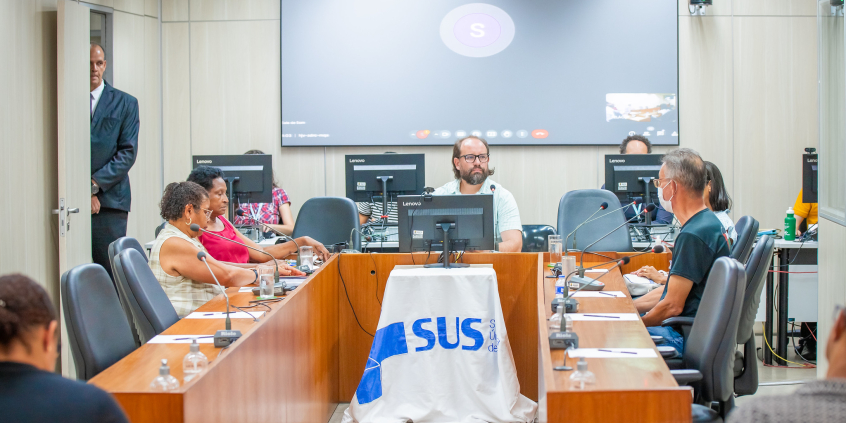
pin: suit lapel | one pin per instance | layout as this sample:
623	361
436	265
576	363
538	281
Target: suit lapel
102	105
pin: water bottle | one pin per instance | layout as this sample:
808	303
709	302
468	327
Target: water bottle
582	378
568	321
790	226
560	286
194	362
555	321
164	382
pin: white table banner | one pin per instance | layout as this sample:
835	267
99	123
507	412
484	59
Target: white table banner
441	353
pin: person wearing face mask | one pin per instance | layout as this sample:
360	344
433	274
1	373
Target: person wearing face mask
29	344
173	258
470	158
701	241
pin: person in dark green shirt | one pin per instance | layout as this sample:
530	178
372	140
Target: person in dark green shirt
702	241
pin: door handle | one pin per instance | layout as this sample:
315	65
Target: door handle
72	210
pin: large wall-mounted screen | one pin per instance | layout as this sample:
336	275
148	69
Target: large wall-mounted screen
518	72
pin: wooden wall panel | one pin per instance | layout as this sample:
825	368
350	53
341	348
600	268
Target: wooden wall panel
151	8
775	8
775	96
176	105
135	7
220	10
107	3
705	80
28	150
174	10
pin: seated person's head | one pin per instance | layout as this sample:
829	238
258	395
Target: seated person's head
211	179
635	144
28	323
185	203
715	195
682	175
475	171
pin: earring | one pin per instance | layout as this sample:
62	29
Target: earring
189	221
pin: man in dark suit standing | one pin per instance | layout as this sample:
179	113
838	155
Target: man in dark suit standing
114	145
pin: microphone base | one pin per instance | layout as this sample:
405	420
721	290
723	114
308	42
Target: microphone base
577	282
225	338
563	340
570	304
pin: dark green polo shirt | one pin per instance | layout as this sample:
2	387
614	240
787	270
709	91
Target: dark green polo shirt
700	243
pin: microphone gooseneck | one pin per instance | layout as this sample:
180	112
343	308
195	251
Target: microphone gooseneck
202	257
283	236
275	275
602	206
647	209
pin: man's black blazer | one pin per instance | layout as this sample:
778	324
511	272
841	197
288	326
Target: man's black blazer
114	146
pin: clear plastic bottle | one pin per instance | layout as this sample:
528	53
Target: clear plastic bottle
194	362
560	286
582	378
568	321
554	321
164	382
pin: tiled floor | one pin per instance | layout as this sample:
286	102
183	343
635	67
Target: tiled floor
773	381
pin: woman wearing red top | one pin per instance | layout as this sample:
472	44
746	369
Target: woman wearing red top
211	178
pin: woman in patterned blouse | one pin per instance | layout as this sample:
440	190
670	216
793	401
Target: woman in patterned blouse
276	215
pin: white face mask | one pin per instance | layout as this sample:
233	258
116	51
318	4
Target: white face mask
666	204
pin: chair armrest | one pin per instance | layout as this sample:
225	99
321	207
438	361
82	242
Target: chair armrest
687	376
667	352
658	340
678	322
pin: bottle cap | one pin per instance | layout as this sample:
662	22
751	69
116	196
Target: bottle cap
195	347
165	369
790	210
581	365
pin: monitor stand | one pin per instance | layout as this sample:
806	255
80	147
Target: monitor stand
233	196
385	180
446	227
647	181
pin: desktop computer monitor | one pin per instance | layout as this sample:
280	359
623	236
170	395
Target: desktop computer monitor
809	178
630	175
468	220
249	177
381	177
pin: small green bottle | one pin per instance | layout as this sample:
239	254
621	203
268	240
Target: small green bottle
790	226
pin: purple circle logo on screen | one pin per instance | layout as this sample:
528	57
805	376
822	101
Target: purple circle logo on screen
477	30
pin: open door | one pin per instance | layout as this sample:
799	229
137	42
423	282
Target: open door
74	148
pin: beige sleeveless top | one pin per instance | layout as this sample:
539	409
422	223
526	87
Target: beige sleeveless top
185	294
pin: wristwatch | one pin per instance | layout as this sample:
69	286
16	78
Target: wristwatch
94	188
256	272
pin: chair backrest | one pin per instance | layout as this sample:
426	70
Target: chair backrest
97	328
150	307
747	230
576	206
115	248
159	228
535	238
757	268
712	342
328	220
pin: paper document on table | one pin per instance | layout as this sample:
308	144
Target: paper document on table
222	315
596	270
603	317
630	277
612	353
181	339
598	294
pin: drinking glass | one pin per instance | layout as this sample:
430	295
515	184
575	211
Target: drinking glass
555	248
307	256
266	284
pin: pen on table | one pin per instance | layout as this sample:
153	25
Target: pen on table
217	312
605	293
193	337
621	352
606	317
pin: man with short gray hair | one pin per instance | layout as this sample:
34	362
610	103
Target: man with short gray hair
702	240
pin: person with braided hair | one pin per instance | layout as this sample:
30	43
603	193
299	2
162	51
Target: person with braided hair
29	345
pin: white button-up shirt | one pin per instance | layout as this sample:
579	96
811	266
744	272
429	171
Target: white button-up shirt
96	94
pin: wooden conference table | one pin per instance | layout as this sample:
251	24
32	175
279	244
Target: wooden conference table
308	354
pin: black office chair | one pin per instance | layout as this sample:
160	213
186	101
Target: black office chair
329	220
747	231
115	248
708	362
576	206
97	328
745	363
150	307
159	228
536	238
